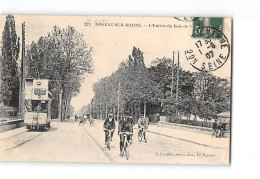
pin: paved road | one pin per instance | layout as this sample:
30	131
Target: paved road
68	142
64	142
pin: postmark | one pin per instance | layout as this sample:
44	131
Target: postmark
210	52
186	19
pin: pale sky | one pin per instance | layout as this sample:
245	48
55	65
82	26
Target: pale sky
112	45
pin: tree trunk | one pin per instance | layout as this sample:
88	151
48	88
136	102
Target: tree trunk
114	111
131	108
139	112
195	117
106	110
144	109
60	105
118	101
100	108
66	109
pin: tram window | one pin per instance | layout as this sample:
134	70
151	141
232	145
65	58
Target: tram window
29	82
39	106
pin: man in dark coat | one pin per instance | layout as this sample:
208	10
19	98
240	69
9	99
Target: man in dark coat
215	127
109	124
125	125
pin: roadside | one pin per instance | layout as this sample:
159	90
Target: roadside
192	137
189	136
162	147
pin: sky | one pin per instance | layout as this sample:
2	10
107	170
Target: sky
112	45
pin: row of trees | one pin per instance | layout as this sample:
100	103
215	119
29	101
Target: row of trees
136	89
128	90
63	57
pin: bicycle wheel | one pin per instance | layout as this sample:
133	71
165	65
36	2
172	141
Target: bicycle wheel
145	137
140	136
108	142
127	151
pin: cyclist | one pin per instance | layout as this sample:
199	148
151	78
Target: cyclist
109	124
81	119
85	118
91	120
125	125
143	125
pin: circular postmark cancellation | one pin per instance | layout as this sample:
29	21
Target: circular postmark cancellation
186	19
210	51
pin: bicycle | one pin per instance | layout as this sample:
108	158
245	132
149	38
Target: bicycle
127	144
91	122
108	137
142	134
217	133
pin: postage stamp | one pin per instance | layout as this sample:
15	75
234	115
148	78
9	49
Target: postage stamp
199	31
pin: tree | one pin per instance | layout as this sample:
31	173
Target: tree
9	73
138	89
135	91
213	94
63	57
1	58
161	72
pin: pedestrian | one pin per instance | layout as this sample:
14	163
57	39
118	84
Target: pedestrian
219	129
223	129
215	127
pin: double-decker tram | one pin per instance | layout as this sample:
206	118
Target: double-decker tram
37	104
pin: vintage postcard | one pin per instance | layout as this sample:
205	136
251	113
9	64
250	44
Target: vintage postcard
114	89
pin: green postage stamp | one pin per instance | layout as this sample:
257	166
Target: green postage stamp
200	27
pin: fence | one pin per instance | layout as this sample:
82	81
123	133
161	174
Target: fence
190	122
154	118
7	113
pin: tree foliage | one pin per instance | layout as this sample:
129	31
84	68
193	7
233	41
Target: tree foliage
199	94
130	85
63	57
9	72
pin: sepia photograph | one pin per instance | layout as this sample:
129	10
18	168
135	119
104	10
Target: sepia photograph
115	89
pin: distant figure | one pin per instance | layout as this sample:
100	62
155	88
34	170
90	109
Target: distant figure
85	117
76	117
81	121
219	130
91	120
215	127
142	127
223	129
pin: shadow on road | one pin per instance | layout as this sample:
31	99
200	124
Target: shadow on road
43	130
